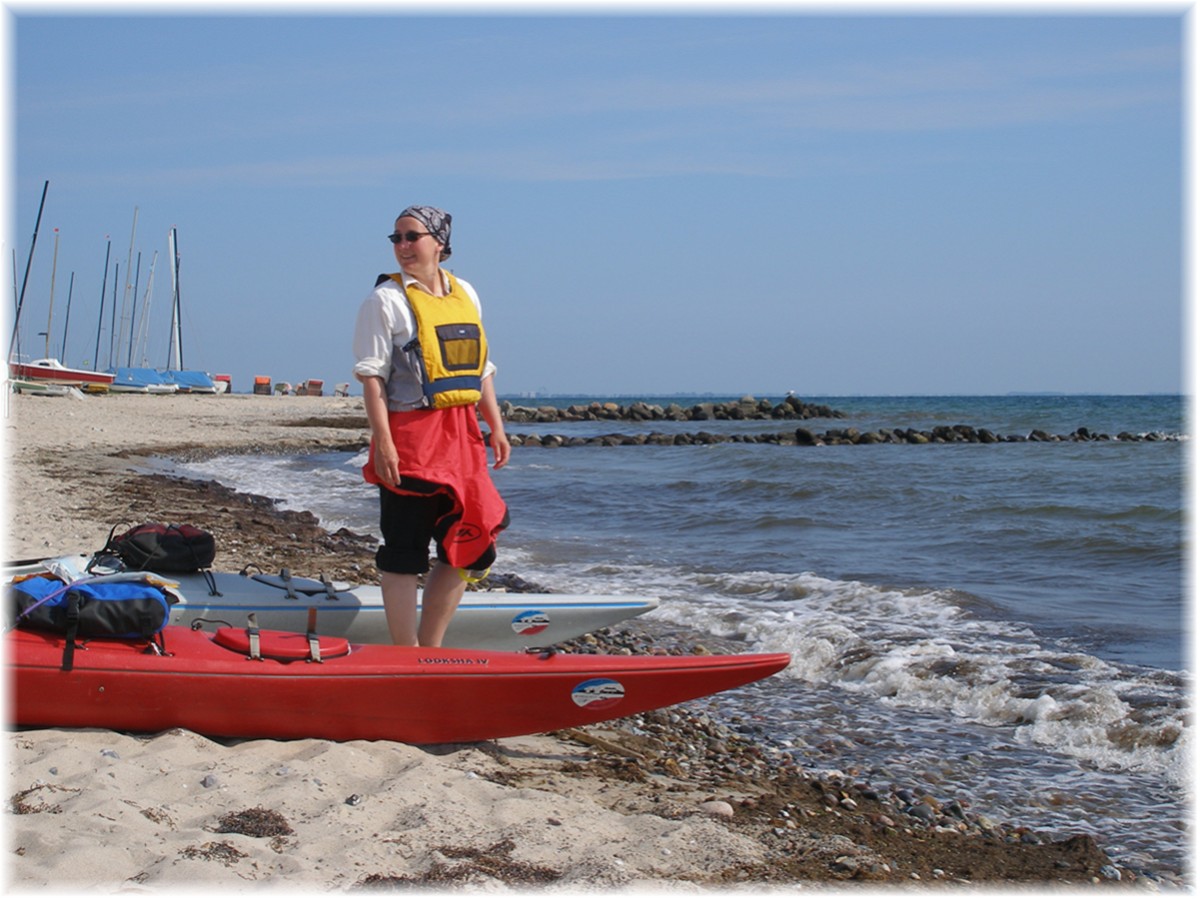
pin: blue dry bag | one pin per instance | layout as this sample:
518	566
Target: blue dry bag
130	608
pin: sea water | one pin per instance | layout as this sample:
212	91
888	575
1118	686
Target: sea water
1006	624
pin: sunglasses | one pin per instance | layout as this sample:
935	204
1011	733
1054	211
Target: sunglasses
411	236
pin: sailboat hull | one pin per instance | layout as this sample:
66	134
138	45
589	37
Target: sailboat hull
51	371
134	380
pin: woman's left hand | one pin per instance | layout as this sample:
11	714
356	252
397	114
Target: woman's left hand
501	449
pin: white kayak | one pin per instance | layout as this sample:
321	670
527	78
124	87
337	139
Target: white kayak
486	620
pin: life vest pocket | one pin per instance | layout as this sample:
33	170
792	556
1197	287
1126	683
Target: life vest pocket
461	346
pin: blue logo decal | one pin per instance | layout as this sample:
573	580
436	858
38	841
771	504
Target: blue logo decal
598	693
531	621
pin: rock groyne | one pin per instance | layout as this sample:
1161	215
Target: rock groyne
805	437
641	411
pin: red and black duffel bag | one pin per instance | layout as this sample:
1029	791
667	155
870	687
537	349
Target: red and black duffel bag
155	547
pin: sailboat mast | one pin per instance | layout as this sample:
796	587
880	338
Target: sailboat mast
53	273
103	288
25	281
112	316
67	323
133	309
128	286
175	350
143	322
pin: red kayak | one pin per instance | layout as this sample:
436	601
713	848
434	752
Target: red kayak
243	683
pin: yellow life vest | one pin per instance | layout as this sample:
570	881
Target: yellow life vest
449	351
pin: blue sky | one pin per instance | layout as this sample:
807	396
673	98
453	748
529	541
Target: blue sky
877	203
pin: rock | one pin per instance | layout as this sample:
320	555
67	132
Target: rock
805	438
848	865
718	808
922	811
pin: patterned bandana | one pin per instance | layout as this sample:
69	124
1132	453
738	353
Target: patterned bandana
436	221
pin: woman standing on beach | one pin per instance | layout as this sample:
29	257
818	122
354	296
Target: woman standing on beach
422	359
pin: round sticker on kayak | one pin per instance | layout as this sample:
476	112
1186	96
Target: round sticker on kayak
531	621
598	693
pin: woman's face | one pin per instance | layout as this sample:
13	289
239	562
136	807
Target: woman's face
419	255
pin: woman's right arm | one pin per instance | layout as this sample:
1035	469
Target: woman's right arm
387	461
372	350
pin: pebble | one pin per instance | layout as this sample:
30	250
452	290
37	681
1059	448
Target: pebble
717	808
111	754
847	864
922	811
354	800
209	781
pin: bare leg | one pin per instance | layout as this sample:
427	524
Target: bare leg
442	594
400	606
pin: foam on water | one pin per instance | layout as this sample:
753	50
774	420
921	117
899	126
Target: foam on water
924	650
901	682
329	485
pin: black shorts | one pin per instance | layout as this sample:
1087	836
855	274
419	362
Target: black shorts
407	522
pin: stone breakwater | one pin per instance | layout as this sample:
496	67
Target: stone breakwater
750	408
746	409
805	437
641	411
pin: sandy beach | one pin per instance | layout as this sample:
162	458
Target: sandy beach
676	803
